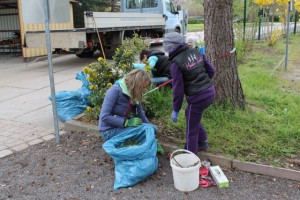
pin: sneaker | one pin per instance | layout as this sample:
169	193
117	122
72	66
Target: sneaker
203	146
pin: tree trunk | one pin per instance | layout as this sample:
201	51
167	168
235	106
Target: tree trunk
219	41
112	6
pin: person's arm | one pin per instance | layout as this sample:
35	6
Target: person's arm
110	99
141	113
209	67
177	86
152	60
139	65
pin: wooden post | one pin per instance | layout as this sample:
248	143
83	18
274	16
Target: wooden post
99	38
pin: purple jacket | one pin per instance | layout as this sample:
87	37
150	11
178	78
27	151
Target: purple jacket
178	85
114	108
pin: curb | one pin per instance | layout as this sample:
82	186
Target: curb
245	166
42	58
73	125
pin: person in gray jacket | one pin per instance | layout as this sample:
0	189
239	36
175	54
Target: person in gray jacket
121	109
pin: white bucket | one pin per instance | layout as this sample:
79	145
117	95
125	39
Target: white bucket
185	167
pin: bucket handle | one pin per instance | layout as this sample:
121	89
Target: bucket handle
182	150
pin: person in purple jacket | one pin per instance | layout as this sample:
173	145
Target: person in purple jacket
192	76
121	109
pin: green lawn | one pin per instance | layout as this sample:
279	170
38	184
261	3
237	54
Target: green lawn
195	27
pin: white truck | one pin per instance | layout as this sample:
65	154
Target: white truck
148	18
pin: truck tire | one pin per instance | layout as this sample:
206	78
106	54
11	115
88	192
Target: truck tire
86	53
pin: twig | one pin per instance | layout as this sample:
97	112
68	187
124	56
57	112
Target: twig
196	163
177	163
280	62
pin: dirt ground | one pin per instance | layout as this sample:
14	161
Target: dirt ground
78	168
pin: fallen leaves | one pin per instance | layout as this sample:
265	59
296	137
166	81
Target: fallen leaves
84	143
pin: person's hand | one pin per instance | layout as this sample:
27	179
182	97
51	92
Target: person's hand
133	122
154	127
174	116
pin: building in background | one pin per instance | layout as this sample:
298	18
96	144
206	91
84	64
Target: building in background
13	29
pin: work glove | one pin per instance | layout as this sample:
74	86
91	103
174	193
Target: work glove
174	116
133	122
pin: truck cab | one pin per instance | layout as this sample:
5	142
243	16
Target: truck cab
165	7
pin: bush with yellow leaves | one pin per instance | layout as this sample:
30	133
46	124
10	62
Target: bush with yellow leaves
103	75
274	37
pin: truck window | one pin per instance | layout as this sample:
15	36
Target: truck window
149	3
131	4
168	6
135	4
171	7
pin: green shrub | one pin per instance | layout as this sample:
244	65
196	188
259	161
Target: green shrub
157	102
274	37
276	18
103	75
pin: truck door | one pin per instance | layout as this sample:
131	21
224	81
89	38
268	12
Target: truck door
171	11
165	7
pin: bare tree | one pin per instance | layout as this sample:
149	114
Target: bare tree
219	41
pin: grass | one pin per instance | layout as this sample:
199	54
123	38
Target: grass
195	27
268	131
200	27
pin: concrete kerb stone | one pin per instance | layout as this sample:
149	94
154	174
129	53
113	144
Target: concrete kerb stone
216	159
74	125
48	137
5	152
36	141
8	149
266	170
20	147
41	58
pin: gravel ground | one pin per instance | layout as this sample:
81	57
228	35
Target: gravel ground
78	168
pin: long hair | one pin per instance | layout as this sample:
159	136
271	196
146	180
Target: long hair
136	80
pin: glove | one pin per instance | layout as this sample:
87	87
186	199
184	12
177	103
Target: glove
174	116
154	127
133	122
160	150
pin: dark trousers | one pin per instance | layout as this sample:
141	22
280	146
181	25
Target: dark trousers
195	132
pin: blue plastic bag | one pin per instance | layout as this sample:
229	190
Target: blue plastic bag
133	164
84	91
72	103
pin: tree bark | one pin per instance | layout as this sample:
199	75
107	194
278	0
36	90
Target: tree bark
219	41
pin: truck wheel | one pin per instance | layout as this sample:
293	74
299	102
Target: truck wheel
86	53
